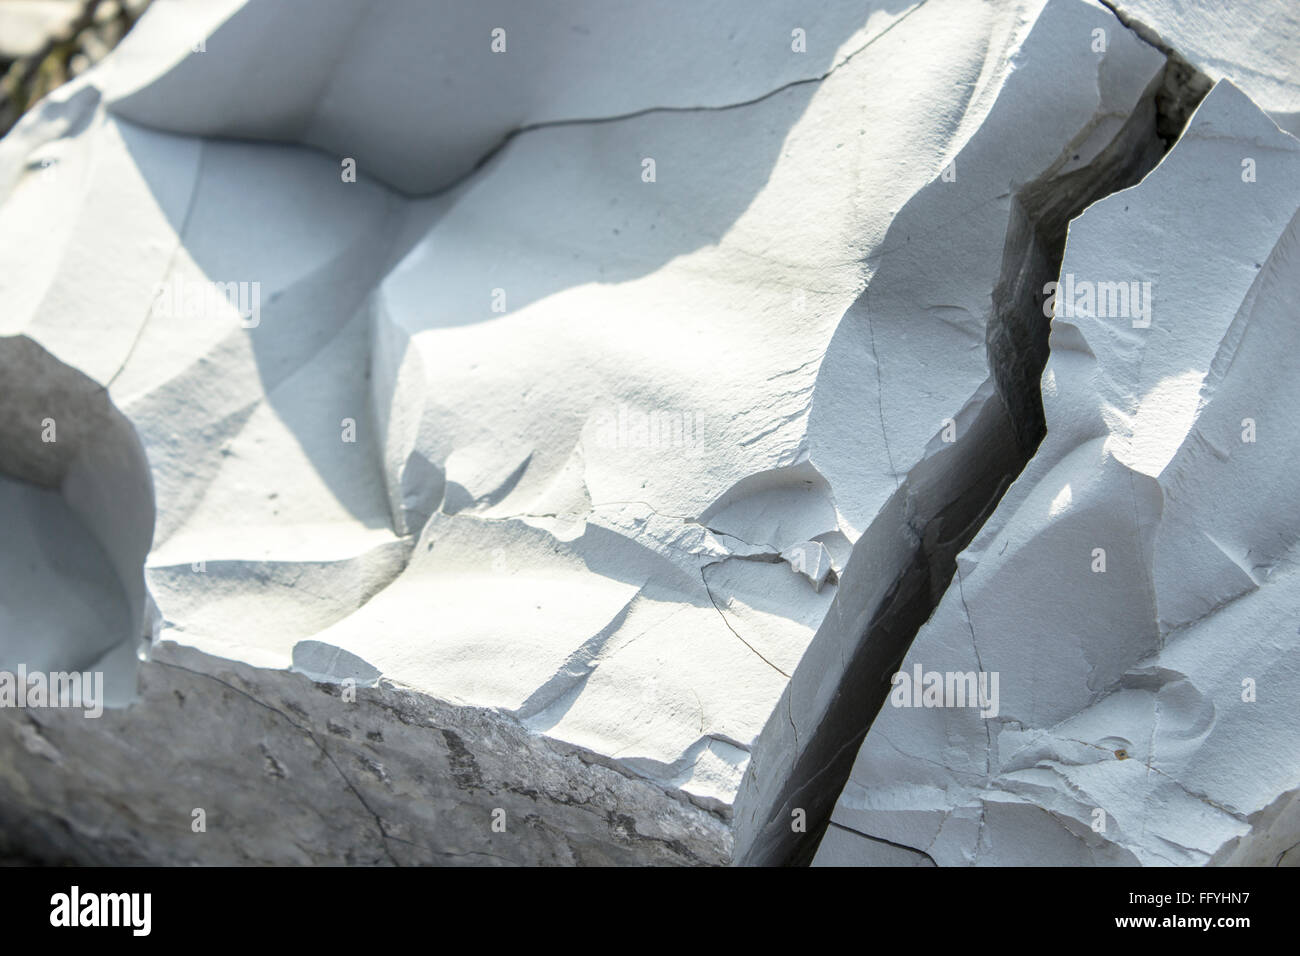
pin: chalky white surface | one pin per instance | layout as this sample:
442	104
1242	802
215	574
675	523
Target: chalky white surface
596	542
1147	711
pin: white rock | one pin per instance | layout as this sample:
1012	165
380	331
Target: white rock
1136	588
1255	44
418	92
534	456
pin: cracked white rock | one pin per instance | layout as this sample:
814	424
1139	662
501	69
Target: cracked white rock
535	455
1136	588
1255	45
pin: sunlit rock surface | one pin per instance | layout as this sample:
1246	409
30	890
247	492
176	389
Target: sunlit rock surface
1255	45
550	445
1137	587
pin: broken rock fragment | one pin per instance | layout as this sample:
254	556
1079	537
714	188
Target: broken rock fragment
1136	587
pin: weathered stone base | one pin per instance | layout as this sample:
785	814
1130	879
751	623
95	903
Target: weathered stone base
288	771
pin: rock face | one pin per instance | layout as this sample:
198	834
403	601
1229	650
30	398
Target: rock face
1136	588
1255	45
542	433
